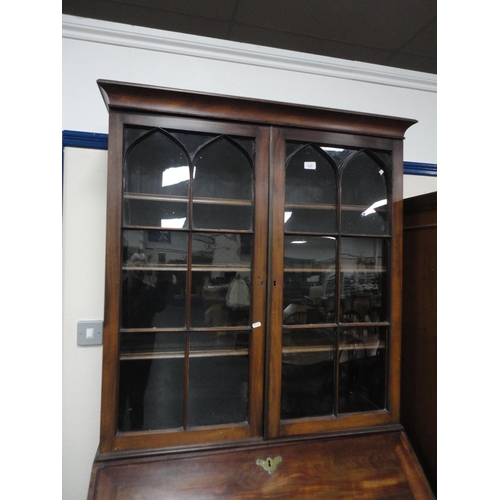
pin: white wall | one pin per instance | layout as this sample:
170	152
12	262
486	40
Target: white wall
83	237
94	50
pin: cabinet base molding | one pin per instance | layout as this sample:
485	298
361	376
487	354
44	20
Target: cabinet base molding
369	466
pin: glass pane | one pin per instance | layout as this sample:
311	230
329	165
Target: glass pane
155	213
223	171
309	291
220	298
362	369
154	279
218	378
222	216
364	197
157	164
151	383
222	249
364	293
308	369
311	220
221	279
310	191
310	178
164	344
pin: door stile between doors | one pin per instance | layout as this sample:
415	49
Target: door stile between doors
259	284
275	273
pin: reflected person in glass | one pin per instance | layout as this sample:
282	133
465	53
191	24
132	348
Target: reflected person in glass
140	302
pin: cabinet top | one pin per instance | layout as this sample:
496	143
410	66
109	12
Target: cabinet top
124	97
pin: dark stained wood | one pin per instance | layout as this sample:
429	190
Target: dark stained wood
396	282
378	466
126	96
259	283
419	334
276	246
109	394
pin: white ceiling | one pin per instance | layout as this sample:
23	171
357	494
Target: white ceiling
397	33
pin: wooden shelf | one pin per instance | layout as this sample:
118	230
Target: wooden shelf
185	199
194	267
327	206
362	346
155	197
209	353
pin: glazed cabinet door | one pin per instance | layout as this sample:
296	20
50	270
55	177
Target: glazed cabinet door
187	243
331	320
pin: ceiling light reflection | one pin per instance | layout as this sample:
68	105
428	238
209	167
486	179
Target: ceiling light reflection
371	209
173	223
174	175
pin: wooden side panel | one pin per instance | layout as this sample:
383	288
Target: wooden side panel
419	340
379	466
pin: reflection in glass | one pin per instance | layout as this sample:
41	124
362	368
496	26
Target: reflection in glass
220	298
308	364
218	378
362	369
151	383
155	213
175	175
364	279
222	249
221	342
364	196
221	279
338	154
309	290
159	247
154	279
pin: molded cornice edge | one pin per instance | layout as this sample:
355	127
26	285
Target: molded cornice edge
124	35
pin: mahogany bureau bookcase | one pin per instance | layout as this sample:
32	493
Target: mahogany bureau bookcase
252	325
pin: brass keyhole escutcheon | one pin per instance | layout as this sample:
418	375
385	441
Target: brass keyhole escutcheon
269	464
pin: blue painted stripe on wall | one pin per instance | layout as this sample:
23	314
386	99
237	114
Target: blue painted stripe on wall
72	138
414	168
90	140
